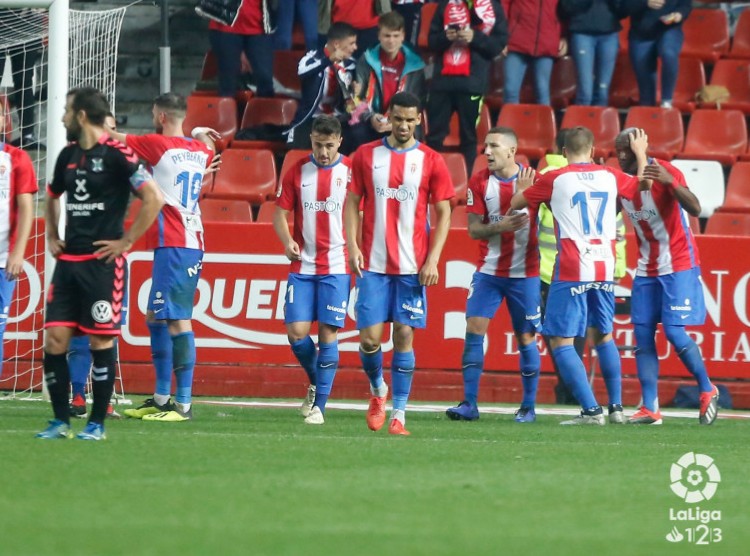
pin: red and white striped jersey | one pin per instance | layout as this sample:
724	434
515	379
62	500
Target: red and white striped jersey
511	254
662	229
396	187
583	200
16	177
316	195
178	165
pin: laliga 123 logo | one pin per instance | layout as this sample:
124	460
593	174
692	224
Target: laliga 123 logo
694	477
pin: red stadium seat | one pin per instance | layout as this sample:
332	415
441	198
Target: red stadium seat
459	217
219	113
691	77
285	65
738	188
735	76
425	18
453	140
741	41
266	212
716	135
261	111
729	224
706	34
245	175
457	168
220	210
623	91
612	162
210	68
604	122
535	126
663	127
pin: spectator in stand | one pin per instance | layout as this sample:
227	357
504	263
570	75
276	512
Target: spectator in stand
327	76
466	36
594	27
289	11
360	14
656	32
384	70
251	34
536	40
411	11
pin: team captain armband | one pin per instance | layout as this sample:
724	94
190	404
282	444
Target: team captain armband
140	176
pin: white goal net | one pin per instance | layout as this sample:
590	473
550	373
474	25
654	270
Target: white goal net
32	97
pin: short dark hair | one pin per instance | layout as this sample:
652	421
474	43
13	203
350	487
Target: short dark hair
579	140
405	100
391	20
326	125
506	131
92	101
560	138
622	141
173	104
341	30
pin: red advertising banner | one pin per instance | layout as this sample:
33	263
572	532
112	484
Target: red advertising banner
239	307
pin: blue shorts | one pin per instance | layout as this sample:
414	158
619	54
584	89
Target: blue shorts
675	299
175	278
522	295
317	297
7	286
573	306
390	298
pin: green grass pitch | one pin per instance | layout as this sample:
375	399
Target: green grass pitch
253	481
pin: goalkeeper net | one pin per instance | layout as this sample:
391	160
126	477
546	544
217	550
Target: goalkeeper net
30	91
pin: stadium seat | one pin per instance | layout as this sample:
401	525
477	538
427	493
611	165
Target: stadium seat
290	158
266	212
706	34
735	76
738	188
425	18
220	210
562	84
612	162
459	217
604	122
535	125
716	135
705	178
278	112
210	69
729	224
219	113
741	40
453	140
494	96
245	175
457	168
691	77
623	91
133	208
663	127
285	65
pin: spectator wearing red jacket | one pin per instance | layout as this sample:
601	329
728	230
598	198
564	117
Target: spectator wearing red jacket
535	40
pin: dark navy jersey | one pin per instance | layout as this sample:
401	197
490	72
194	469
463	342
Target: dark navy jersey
98	183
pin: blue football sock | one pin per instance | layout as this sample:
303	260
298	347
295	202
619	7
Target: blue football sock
647	364
530	362
472	364
183	350
372	363
305	352
689	354
79	363
610	366
402	371
161	355
574	374
328	362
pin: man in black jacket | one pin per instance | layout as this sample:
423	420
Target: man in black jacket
466	38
